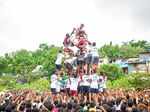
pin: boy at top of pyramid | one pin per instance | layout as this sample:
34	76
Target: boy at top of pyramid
80	32
76	40
82	38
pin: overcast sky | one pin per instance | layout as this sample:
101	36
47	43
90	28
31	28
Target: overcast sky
27	23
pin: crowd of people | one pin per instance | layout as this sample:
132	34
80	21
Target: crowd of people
108	101
75	85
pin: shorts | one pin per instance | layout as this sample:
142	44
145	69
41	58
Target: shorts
53	90
88	59
73	93
80	62
85	89
93	90
95	60
62	90
58	67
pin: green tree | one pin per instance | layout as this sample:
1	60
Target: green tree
46	56
111	70
128	51
110	51
140	43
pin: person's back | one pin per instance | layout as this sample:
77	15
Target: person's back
74	85
94	80
94	50
58	61
86	79
54	82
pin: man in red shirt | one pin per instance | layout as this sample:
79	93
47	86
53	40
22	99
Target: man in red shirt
67	40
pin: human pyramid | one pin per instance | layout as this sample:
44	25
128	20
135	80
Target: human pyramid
75	85
76	67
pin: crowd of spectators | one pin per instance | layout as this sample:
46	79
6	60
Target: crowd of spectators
108	101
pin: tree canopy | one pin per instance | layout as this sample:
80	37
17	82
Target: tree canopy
24	61
125	50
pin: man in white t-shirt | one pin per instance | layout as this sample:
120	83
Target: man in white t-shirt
68	83
102	82
74	84
59	59
95	55
94	79
54	82
58	87
85	84
88	58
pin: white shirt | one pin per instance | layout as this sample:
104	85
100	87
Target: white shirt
94	52
85	80
94	81
103	81
100	82
59	59
68	83
74	49
70	60
54	81
58	86
74	83
89	48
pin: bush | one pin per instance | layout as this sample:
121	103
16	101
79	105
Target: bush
140	80
131	81
121	82
7	82
30	77
30	81
111	70
40	85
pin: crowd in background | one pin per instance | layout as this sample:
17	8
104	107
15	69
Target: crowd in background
108	101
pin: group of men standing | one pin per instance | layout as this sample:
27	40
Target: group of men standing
76	66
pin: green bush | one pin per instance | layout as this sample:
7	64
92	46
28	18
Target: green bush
39	85
111	70
140	80
7	82
131	81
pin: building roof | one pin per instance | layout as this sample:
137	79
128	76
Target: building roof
137	62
